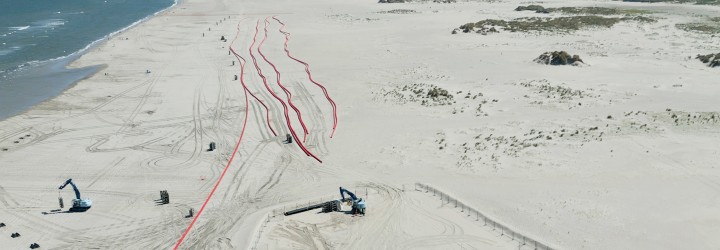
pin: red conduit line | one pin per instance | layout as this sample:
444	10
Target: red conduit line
242	80
267	111
287	117
277	79
307	70
232	157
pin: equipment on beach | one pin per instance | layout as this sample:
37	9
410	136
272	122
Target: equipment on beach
164	197
288	139
358	204
78	204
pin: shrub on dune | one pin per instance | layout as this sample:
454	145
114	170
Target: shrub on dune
558	58
712	60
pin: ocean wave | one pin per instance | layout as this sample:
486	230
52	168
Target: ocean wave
18	28
48	23
14	30
58	22
108	36
37	25
72	13
6	52
10	50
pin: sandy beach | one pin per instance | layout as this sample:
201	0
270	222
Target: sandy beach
618	152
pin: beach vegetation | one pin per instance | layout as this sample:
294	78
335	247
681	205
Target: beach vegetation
708	28
557	24
583	10
425	94
712	60
707	2
536	8
398	11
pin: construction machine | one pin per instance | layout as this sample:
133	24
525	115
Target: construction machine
358	204
78	204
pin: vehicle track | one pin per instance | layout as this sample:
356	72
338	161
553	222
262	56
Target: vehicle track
279	82
143	99
237	146
242	81
106	170
6	199
376	230
317	117
287	117
307	70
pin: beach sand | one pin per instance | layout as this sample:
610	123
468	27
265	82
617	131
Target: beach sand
619	153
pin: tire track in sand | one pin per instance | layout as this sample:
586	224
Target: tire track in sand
232	157
307	70
287	116
279	82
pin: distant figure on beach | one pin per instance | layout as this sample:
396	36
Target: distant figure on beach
288	138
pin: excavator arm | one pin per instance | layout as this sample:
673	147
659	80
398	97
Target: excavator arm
343	191
69	181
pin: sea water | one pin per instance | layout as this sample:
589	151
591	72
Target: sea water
38	38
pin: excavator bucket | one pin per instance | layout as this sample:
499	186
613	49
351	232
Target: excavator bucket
61	202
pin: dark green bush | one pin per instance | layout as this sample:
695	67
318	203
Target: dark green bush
558	58
712	60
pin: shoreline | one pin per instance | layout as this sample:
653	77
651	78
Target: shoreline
65	64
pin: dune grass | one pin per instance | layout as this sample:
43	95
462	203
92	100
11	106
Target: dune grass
557	24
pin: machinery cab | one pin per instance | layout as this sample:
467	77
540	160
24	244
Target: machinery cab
359	206
81	205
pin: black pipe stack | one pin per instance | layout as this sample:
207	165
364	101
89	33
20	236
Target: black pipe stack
165	197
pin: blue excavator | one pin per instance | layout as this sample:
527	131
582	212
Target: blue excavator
358	204
79	205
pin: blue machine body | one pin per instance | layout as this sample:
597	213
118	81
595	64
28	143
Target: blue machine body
357	203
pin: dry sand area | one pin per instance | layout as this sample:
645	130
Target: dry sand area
620	152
